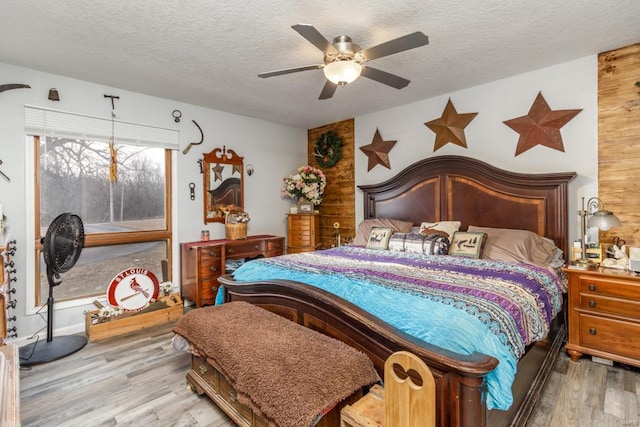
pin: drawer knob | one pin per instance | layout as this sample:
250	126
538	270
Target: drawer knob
213	253
230	250
257	247
592	331
592	303
203	369
213	268
592	287
233	396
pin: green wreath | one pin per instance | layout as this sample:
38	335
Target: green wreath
328	149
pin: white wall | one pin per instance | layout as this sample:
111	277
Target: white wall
274	150
571	85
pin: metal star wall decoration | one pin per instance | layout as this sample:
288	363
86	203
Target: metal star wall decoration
217	172
378	151
541	126
450	127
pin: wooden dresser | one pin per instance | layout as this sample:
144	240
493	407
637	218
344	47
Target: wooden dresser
303	232
201	263
604	315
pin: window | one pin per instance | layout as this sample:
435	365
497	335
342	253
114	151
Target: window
127	221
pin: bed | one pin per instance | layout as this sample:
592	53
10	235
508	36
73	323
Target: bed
443	188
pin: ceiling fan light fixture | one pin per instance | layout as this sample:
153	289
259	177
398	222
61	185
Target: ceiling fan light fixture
342	72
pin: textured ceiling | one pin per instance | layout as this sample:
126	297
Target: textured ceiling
207	53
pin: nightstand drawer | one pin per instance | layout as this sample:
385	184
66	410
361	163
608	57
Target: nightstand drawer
601	304
612	336
610	287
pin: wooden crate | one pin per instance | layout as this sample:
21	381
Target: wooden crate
123	324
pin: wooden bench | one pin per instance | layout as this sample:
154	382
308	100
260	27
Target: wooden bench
259	367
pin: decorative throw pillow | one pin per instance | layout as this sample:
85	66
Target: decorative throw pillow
364	228
469	244
379	238
436	244
448	227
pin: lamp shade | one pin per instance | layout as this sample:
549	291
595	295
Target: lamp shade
603	220
342	72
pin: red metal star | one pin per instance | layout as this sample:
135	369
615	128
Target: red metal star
450	127
378	151
541	126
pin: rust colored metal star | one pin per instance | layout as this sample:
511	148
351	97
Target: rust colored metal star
541	126
450	127
378	151
217	172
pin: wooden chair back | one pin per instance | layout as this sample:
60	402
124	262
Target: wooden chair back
408	403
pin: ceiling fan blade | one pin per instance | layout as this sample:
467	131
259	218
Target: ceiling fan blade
312	35
384	77
328	90
410	41
290	70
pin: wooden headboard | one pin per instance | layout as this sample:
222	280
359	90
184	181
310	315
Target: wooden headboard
464	189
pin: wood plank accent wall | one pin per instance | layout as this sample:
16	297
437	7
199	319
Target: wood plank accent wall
619	140
338	202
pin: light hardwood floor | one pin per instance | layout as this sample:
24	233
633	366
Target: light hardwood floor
139	380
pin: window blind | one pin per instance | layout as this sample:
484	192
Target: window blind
64	124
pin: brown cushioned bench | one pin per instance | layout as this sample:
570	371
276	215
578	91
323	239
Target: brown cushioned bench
262	369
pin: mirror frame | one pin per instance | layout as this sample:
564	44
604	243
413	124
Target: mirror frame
220	156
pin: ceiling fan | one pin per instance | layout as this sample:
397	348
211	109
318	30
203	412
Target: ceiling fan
344	60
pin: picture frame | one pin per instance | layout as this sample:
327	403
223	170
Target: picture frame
305	207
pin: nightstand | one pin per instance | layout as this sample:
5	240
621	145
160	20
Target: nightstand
604	315
303	232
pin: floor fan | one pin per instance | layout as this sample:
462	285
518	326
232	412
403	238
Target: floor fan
61	249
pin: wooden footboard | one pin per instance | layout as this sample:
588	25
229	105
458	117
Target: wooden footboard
460	387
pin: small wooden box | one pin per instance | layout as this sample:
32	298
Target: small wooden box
594	254
366	412
135	321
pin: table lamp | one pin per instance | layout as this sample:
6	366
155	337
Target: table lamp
593	216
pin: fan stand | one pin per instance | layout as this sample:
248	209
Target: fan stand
51	349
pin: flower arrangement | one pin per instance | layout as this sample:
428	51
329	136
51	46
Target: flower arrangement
308	183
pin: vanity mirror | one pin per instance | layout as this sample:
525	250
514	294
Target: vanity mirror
223	183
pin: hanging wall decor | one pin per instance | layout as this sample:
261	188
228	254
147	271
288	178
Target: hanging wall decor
186	150
450	127
13	86
541	126
328	150
378	151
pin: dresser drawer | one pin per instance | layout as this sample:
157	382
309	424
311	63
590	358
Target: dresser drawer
211	267
208	253
612	336
301	237
300	222
275	247
610	287
244	250
607	305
